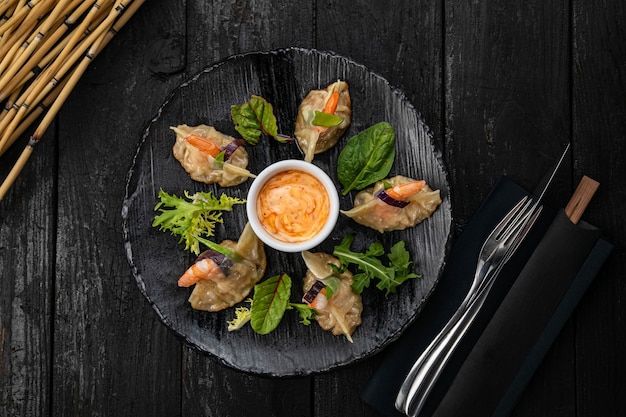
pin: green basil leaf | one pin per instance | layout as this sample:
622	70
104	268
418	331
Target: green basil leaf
326	119
367	157
271	298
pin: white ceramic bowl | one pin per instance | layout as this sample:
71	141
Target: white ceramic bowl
261	180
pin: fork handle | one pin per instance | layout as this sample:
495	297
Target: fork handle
426	370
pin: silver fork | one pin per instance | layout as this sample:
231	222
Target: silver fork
495	252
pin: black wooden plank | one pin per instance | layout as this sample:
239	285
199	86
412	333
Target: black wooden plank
507	105
27	242
225	392
402	42
599	115
219	29
111	354
507	94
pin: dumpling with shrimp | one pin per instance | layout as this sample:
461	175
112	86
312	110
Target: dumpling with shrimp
222	281
394	204
323	116
210	156
338	308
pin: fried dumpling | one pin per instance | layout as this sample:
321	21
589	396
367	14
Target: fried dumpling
394	204
314	132
341	312
210	156
222	282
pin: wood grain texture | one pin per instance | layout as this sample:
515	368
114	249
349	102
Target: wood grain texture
236	393
111	354
599	123
403	43
506	85
27	279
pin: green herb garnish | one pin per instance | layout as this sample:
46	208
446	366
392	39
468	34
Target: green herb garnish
367	157
242	316
271	298
306	313
267	308
255	118
194	218
389	276
326	120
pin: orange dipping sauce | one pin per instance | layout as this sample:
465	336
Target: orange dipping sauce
293	206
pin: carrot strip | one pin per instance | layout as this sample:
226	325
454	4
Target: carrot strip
331	103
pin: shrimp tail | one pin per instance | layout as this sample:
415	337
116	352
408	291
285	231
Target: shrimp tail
404	191
203	269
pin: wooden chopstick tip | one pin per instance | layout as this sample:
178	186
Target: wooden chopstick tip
579	201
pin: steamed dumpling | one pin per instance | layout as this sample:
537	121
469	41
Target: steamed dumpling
341	313
201	165
234	283
371	211
314	139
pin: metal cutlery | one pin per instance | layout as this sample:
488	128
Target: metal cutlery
497	249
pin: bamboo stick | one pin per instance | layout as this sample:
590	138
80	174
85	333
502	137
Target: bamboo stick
48	51
40	75
48	79
34	114
5	18
27	49
6	5
15	171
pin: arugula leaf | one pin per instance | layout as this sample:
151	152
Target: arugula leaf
254	118
271	298
401	262
371	267
194	219
367	157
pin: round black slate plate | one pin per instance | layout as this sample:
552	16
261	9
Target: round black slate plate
283	77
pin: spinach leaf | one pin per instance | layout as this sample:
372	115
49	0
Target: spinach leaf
271	299
367	157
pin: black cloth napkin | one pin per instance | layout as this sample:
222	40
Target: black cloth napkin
475	374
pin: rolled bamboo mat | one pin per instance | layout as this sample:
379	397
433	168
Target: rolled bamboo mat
46	46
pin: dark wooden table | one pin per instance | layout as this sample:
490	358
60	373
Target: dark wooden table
503	85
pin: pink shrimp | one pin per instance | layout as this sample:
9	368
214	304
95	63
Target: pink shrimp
404	191
320	301
205	268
